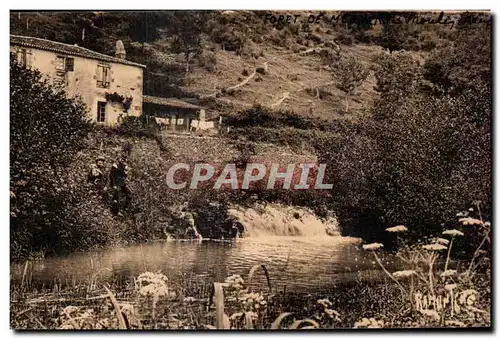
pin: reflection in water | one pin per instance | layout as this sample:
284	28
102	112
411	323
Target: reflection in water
296	262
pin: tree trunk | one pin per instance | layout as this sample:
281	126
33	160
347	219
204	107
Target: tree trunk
187	62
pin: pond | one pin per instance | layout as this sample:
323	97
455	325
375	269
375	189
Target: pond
297	262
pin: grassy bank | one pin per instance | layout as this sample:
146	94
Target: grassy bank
355	305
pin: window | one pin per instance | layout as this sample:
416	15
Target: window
70	65
65	64
101	111
103	76
24	57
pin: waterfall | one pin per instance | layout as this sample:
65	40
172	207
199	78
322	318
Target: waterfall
282	220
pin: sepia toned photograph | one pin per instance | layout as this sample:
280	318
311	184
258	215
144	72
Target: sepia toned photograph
250	170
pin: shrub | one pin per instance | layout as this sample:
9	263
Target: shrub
393	36
141	126
40	152
350	74
454	68
208	61
345	39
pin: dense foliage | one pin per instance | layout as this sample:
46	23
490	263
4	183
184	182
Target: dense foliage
46	131
424	154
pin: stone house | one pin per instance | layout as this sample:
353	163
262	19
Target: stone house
110	86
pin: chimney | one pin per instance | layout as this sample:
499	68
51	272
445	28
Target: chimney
120	50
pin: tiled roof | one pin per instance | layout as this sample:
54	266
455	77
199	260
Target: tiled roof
59	47
172	102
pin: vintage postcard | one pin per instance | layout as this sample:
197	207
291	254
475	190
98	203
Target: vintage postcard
241	169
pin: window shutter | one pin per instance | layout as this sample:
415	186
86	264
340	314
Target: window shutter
29	59
108	76
60	64
99	73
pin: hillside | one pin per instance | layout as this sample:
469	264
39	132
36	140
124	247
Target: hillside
296	60
414	150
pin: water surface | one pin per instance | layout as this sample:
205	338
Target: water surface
297	262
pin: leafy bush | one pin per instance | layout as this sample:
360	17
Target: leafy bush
138	126
454	68
208	61
46	131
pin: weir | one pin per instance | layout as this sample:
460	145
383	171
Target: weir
282	220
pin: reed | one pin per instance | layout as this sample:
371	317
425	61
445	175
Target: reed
277	322
252	273
121	320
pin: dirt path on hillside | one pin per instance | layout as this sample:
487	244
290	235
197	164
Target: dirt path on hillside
280	101
286	95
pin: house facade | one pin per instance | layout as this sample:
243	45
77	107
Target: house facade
111	87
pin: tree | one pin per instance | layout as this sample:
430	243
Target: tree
46	131
465	64
350	74
395	31
398	75
187	30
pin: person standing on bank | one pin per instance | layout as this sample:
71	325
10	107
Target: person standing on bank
96	176
118	180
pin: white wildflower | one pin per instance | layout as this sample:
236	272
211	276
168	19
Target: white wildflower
369	323
470	221
252	315
404	274
372	247
152	284
252	301
332	314
234	282
236	316
442	241
434	247
325	302
397	229
453	233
